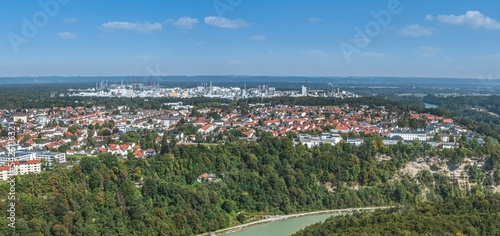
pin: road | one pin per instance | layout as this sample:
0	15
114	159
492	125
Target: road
285	217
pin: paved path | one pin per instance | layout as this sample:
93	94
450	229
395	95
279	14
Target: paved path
285	217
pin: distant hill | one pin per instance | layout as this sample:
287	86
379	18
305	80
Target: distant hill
366	81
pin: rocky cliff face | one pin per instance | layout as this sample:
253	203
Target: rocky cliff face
470	172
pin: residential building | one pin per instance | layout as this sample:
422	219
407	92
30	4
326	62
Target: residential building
409	136
4	173
325	138
22	167
51	157
25	167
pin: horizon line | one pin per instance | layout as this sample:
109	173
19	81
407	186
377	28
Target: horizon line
293	76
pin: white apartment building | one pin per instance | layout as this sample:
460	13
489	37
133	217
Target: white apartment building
20	168
51	157
4	173
325	138
410	136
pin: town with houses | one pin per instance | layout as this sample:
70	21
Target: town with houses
48	136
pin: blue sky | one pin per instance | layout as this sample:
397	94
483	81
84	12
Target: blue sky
448	38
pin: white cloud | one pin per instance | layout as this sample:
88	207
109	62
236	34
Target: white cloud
146	57
473	19
315	53
70	20
314	19
258	38
184	22
362	41
139	27
428	51
495	56
235	62
415	31
372	54
66	35
225	22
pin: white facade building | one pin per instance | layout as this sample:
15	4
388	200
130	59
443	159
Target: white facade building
20	168
326	138
51	157
304	91
410	136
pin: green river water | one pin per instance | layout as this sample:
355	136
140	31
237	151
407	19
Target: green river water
282	228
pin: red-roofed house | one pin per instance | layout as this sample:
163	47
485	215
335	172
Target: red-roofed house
139	154
341	129
271	122
207	128
25	167
4	172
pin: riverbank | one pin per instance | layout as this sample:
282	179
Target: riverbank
285	217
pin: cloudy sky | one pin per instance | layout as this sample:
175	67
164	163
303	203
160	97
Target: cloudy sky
448	38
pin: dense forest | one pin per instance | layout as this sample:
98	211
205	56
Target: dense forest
479	215
106	195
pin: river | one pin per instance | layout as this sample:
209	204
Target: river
283	227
